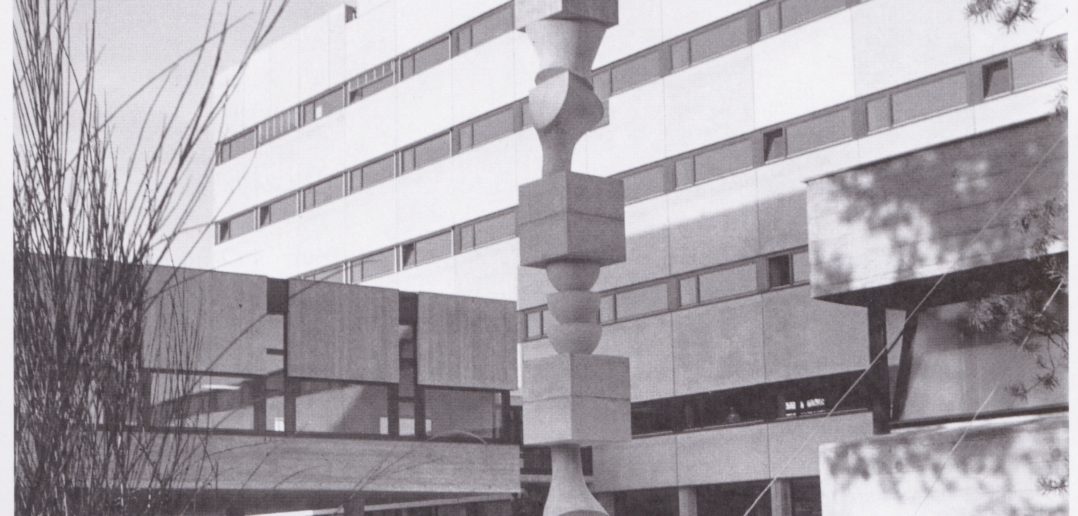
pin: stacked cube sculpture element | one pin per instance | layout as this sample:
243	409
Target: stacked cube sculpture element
570	224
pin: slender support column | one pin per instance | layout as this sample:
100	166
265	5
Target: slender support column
781	499
570	224
686	501
905	366
878	378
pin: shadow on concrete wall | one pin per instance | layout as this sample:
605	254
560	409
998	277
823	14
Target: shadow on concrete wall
993	469
930	207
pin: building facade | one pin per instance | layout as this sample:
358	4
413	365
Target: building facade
315	395
798	175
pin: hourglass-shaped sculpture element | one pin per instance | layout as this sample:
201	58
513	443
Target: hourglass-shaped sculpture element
570	224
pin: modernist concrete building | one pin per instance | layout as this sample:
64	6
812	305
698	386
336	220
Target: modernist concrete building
309	393
798	175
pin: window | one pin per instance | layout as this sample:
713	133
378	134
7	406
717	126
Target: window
606	309
747	405
805	497
769	20
636	72
324	192
728	282
819	131
489	128
423	154
465	414
236	226
484	232
795	12
341	407
879	114
818	395
779	271
601	84
996	78
719	40
278	210
928	99
425	58
373	266
243	143
641	301
652	417
734	498
774	145
534	324
1036	67
679	55
644	184
484	29
324	105
688	291
373	173
426	250
719	162
203	401
332	274
801	266
278	125
370	82
684	176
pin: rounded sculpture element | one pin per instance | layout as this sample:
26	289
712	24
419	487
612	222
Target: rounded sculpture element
575	338
574	306
572	275
566	44
569	494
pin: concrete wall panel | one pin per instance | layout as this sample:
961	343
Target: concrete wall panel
635	135
314	464
723	455
639	27
793	446
466	342
342	332
805	69
805	337
913	217
700	101
647	344
719	346
219	318
647	246
638	464
997	469
714	223
681	16
934	36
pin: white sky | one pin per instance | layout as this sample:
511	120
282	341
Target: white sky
137	39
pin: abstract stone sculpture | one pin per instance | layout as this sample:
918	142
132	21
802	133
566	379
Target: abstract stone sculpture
570	224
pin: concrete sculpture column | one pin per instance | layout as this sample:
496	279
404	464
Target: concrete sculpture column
570	224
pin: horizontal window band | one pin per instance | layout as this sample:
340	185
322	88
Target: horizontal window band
674	176
696	43
762	403
673	299
667	166
372	80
